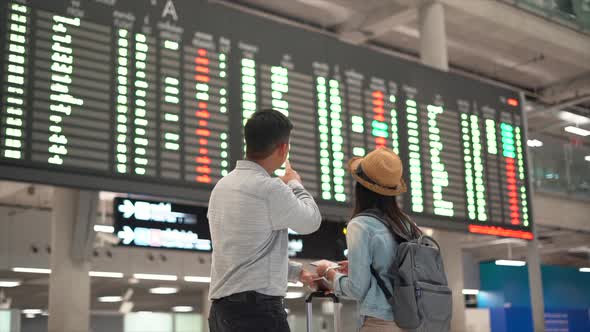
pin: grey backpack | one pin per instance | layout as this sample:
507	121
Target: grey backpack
421	298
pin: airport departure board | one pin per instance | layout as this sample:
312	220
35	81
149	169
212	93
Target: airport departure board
150	97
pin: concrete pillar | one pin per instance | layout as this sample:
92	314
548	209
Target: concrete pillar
471	275
433	37
453	258
206	308
69	283
533	257
536	285
433	52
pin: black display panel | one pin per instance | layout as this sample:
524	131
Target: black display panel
150	96
166	225
161	225
329	242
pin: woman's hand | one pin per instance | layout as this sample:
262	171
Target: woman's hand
322	266
343	267
329	269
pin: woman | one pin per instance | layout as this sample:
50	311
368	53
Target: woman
370	244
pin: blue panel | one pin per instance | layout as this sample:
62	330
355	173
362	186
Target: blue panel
498	319
505	291
579	320
559	281
506	285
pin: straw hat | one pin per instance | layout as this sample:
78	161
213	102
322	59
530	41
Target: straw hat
379	171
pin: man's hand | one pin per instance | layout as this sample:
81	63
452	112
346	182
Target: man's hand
290	174
307	278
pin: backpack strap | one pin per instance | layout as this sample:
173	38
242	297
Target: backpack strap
399	238
381	284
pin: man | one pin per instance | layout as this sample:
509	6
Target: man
250	213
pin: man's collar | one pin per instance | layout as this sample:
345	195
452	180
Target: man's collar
251	165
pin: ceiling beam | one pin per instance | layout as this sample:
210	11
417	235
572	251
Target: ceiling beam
568	88
9	190
557	107
495	242
363	27
559	39
497	58
560	244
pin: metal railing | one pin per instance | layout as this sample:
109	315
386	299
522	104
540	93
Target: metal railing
573	13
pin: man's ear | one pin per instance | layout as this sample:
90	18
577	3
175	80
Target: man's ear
286	148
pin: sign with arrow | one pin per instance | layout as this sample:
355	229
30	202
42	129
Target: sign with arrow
156	224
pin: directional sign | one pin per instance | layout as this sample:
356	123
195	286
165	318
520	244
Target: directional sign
142	223
150	211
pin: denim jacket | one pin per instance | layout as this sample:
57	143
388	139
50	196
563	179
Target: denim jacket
369	243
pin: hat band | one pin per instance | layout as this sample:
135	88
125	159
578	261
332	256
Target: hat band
361	174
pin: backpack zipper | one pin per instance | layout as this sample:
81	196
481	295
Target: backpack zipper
420	290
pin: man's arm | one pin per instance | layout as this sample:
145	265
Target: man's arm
291	206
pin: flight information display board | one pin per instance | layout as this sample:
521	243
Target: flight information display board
150	97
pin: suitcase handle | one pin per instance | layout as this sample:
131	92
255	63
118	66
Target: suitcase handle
322	295
337	309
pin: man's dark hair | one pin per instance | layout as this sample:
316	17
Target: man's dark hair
264	131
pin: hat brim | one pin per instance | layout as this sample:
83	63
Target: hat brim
353	165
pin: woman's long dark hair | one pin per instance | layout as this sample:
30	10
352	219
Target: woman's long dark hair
366	199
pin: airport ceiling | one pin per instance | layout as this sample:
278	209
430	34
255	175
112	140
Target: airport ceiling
512	51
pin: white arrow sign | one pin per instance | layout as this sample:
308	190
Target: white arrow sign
159	212
127	235
127	208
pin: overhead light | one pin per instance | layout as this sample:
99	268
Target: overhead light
145	312
585	269
110	299
104	229
298	284
31	270
9	283
29	315
577	131
183	308
508	262
147	276
294	295
470	291
574	118
164	290
534	143
197	279
101	274
427	231
32	311
587	158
